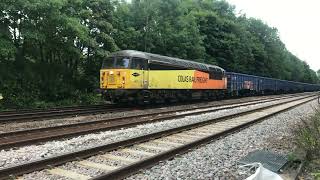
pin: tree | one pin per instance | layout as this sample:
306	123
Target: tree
163	27
51	50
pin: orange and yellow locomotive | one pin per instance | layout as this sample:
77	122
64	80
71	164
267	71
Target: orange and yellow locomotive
134	76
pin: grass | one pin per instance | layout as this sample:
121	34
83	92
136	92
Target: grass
81	99
307	137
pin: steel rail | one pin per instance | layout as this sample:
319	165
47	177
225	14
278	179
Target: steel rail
50	109
40	114
32	136
141	115
33	116
60	159
132	168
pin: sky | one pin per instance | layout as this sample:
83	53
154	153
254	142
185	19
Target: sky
297	21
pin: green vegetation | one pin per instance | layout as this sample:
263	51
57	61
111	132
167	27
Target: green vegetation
51	50
308	136
308	139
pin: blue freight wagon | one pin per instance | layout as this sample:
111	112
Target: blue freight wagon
243	84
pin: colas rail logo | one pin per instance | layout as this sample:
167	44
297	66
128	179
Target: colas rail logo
193	79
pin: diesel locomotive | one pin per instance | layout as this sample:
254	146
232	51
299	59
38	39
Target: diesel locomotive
139	77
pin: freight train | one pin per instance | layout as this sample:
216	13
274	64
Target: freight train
139	77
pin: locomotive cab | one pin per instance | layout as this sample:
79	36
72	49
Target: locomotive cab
112	73
120	73
123	72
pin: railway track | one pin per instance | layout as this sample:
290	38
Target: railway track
40	114
32	136
148	150
14	116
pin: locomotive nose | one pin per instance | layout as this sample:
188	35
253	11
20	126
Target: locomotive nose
113	79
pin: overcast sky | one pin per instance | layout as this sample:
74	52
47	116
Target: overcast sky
298	23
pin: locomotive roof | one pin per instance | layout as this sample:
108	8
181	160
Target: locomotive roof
155	58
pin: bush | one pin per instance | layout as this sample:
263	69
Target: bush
308	136
44	85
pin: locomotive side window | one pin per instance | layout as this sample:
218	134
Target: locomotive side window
122	62
215	73
116	62
219	74
108	63
139	63
211	75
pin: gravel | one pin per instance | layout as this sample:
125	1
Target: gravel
75	167
7	127
102	160
213	160
219	107
43	175
30	153
218	159
128	155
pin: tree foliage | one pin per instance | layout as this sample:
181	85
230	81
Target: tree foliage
51	50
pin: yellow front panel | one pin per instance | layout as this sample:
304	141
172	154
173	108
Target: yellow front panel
123	79
168	79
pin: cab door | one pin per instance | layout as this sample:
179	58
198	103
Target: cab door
139	73
145	71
